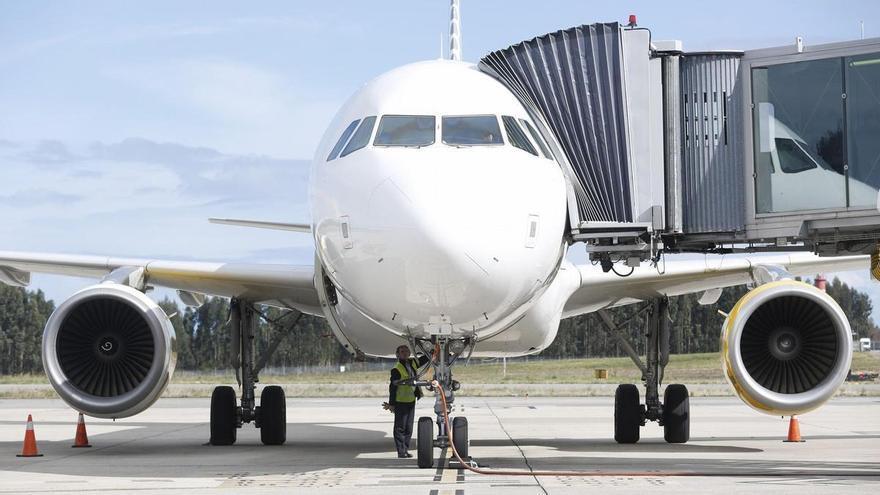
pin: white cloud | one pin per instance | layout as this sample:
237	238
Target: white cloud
142	198
239	102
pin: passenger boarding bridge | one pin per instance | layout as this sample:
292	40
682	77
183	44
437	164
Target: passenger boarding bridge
665	150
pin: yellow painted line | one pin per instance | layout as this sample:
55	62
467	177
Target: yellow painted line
449	475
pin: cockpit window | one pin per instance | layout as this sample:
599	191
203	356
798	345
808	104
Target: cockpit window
361	137
406	130
342	140
471	130
516	136
537	138
793	158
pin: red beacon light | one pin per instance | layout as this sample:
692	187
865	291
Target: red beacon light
632	21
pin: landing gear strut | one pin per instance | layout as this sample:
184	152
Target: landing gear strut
271	415
444	351
673	413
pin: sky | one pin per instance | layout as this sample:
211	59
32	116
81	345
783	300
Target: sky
125	125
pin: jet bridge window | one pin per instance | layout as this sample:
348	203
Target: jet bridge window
471	130
798	134
343	139
516	136
862	80
406	130
361	137
815	132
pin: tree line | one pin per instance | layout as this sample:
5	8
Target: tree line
203	340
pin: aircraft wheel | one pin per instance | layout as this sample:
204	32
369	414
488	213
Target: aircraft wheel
460	436
627	414
425	442
676	414
224	422
273	416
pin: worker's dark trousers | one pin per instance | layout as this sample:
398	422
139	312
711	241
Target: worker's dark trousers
404	415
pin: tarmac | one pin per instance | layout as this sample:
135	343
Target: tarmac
338	445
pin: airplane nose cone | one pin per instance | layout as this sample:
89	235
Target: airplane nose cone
437	256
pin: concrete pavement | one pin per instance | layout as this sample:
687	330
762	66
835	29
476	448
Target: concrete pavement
344	445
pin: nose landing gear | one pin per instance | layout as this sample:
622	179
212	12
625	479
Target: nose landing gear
444	352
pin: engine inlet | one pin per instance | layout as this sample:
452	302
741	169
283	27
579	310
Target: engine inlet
105	347
789	344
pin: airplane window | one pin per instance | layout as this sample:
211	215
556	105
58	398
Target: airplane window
471	130
537	138
342	140
516	136
361	137
793	158
406	130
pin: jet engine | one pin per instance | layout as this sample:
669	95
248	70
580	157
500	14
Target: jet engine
786	347
109	351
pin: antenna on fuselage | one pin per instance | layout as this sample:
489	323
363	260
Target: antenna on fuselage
455	30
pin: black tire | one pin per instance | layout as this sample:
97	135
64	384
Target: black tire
460	436
627	414
273	415
224	412
676	414
425	442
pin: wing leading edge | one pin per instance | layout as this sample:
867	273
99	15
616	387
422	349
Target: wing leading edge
600	290
287	286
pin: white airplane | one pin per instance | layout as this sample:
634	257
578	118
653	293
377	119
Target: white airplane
439	220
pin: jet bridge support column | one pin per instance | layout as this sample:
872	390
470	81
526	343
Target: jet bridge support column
672	141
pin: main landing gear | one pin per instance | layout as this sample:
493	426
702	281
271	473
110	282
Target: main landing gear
444	351
227	416
673	413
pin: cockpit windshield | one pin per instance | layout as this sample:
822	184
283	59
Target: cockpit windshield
516	136
406	130
471	130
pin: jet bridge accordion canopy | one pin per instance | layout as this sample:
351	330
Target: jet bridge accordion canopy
583	83
573	80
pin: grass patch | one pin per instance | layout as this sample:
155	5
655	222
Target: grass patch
682	368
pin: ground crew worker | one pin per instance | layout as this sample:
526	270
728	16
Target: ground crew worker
402	398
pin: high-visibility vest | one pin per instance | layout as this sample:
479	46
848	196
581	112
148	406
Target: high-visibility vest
405	393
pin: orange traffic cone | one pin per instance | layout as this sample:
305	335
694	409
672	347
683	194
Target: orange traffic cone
30	441
82	439
794	431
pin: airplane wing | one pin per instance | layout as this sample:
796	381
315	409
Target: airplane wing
287	286
600	290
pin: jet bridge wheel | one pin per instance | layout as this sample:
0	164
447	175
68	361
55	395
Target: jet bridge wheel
676	414
425	442
273	416
627	414
224	412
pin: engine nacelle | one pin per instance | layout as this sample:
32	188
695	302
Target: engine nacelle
786	348
109	351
